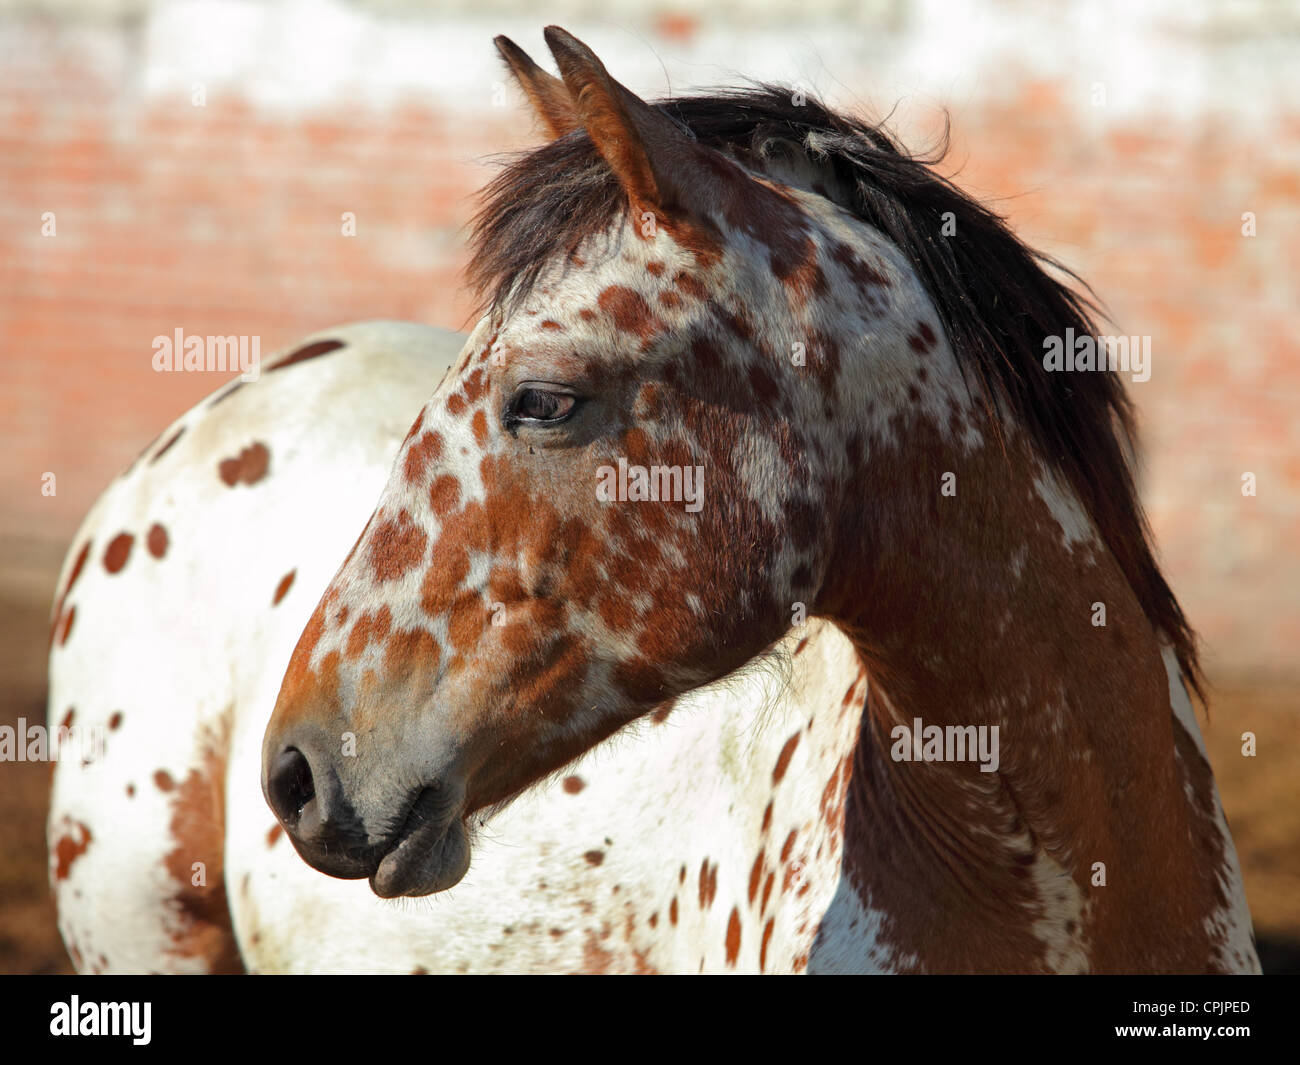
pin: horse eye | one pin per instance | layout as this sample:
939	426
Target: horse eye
541	405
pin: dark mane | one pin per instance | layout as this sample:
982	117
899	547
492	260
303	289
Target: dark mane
995	296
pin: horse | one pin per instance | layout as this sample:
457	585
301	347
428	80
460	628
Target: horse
187	588
748	596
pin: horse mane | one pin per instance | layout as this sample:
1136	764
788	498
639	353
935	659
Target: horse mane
997	298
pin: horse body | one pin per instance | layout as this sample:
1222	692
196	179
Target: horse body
565	714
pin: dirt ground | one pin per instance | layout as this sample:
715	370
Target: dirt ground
1261	794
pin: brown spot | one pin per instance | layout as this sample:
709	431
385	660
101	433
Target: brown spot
248	467
926	336
163	780
410	649
130	791
480	427
118	551
156	541
690	285
444	495
596	958
68	619
862	274
418	456
553	326
629	310
71	845
475	386
672	911
573	784
594	857
273	836
369	628
282	589
783	760
788	846
77	567
755	876
115	722
202	928
766	390
171	442
396	547
307	351
767	937
733	937
708	884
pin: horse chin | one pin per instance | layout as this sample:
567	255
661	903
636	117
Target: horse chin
420	865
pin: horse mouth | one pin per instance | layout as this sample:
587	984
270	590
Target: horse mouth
429	853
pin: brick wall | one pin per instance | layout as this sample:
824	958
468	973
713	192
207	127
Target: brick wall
1129	146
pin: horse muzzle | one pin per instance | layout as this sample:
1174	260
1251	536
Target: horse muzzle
421	845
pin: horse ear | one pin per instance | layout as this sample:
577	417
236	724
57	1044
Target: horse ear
653	159
546	92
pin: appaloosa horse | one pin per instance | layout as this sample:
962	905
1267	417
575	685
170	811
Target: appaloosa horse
749	495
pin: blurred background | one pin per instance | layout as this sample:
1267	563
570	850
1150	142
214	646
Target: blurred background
197	157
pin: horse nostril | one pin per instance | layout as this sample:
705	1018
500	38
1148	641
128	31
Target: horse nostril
290	785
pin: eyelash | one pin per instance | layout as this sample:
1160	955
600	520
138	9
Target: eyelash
513	415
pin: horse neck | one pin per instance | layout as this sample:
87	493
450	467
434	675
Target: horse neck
984	607
1006	588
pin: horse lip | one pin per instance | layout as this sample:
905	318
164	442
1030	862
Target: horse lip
408	864
422	817
346	863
